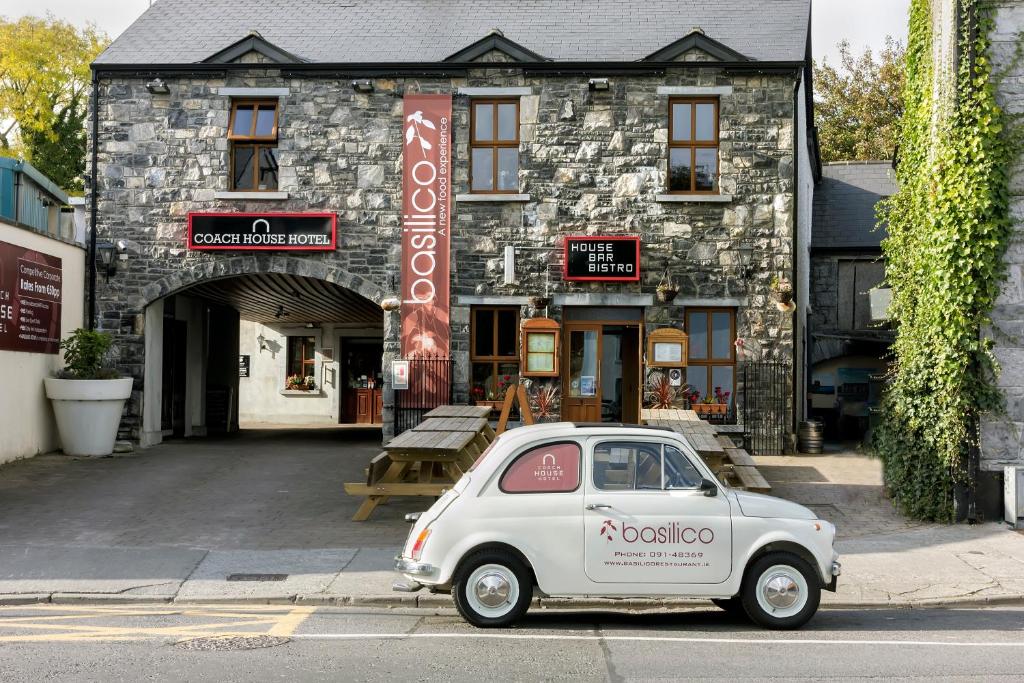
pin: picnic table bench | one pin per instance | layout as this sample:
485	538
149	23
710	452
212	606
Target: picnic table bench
425	460
719	452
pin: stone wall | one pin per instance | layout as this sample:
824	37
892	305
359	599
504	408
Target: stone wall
1002	436
591	163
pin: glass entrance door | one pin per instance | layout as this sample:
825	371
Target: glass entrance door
601	376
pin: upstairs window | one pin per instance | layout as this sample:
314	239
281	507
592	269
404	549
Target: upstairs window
252	131
693	146
494	146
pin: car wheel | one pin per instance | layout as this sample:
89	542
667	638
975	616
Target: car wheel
733	605
781	591
492	589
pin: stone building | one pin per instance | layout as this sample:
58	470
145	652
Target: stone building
846	326
682	126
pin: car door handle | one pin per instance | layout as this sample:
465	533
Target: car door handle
598	506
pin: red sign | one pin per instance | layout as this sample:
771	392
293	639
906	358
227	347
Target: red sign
592	258
426	219
31	286
262	231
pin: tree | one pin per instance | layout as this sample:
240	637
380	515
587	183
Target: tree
858	105
44	81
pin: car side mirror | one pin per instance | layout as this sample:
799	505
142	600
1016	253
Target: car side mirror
708	488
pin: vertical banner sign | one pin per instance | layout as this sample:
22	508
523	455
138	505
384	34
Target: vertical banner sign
30	294
426	218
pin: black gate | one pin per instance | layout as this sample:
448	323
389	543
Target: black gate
430	386
764	405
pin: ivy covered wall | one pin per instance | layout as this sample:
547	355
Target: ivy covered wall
948	232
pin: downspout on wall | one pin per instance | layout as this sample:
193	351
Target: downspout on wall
93	195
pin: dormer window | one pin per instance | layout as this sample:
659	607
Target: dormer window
252	131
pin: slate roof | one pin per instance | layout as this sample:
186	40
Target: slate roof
844	204
188	31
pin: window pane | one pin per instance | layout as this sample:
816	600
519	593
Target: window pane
705	122
482	169
507	333
721	335
707	169
681	122
508	123
484	331
679	471
722	384
243	173
546	469
583	363
485	384
265	120
243	120
679	169
697	379
697	328
627	466
484	122
309	349
508	376
508	168
268	168
540	362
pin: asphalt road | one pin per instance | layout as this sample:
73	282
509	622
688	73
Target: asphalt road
257	643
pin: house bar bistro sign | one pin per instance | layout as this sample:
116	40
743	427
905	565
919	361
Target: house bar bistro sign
262	231
602	259
31	285
426	217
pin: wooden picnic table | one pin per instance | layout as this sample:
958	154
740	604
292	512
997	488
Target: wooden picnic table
425	460
459	411
698	432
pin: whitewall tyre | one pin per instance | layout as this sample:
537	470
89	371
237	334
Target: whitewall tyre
492	589
88	412
781	591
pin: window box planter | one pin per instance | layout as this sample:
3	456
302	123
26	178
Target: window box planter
493	405
710	408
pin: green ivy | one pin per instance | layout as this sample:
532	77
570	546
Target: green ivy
948	229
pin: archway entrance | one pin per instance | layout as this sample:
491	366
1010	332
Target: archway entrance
261	350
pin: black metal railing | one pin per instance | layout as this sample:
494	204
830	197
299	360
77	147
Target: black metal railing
430	386
764	394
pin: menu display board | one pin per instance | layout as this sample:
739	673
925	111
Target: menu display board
31	287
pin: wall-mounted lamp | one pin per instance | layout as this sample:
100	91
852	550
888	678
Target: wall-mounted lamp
363	85
280	312
105	254
262	341
157	87
599	84
510	265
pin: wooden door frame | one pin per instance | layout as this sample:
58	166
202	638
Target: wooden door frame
581	325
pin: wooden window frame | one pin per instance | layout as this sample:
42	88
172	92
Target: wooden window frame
693	144
256	142
302	339
493	359
255	104
495	144
710	362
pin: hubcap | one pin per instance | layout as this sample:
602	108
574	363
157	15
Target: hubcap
781	591
492	590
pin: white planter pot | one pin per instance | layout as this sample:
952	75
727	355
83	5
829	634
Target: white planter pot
88	412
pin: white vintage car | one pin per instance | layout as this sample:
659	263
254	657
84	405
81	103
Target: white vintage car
573	510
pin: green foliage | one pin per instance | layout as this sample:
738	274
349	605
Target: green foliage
857	103
948	230
84	353
44	81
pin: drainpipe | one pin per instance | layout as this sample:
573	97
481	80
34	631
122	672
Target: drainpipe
797	339
94	195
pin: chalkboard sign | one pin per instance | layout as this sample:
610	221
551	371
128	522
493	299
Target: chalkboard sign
243	366
602	259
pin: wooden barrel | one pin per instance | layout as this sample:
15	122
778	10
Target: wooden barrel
810	436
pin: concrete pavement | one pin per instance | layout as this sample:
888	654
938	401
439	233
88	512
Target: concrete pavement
262	519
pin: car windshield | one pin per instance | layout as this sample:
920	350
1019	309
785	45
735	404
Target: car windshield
480	458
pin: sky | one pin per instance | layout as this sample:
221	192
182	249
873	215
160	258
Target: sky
864	23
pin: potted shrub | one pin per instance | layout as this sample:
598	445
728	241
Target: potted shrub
544	402
712	404
782	293
87	397
667	290
661	395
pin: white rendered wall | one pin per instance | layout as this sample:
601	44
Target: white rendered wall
27	426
